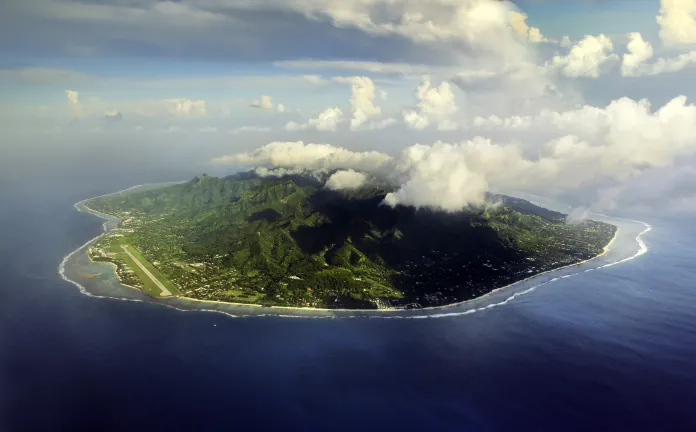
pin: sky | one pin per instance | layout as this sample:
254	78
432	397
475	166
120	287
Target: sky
589	100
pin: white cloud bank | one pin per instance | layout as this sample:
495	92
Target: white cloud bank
618	143
298	155
346	180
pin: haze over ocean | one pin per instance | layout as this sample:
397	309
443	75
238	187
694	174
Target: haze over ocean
610	348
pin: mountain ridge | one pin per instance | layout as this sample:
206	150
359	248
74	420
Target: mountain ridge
289	241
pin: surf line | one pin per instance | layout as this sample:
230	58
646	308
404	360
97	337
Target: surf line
642	249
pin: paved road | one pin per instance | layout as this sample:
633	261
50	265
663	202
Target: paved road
165	291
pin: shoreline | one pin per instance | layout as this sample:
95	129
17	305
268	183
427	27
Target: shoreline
110	218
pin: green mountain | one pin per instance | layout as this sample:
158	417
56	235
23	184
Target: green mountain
289	241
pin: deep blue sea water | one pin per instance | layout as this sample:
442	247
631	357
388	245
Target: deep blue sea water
613	349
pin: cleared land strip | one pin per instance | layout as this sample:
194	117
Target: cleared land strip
165	291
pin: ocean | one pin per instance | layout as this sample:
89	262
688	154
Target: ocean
608	349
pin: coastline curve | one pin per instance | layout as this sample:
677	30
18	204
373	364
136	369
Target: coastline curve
621	249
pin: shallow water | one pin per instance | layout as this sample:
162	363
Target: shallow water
606	348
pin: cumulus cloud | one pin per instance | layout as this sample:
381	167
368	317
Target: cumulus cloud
437	176
298	155
518	21
362	100
74	102
327	120
639	51
436	105
264	103
674	64
346	180
186	107
677	21
665	65
208	129
586	58
614	145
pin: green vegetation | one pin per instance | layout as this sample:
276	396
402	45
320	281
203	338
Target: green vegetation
287	241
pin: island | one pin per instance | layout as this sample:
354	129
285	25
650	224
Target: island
289	241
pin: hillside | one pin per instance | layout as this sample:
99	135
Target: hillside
288	241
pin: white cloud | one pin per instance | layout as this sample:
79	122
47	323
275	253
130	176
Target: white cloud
378	124
586	58
677	21
639	51
362	100
356	65
436	105
74	102
518	21
512	88
480	24
265	103
281	172
314	79
208	129
244	129
675	64
666	65
346	179
495	122
612	146
186	107
308	156
327	120
631	140
437	176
